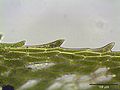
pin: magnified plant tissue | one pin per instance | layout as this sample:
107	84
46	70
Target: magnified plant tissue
52	67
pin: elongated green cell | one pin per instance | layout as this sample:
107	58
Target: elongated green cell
88	53
28	49
13	54
44	54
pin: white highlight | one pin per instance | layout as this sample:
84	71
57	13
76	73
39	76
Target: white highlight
77	82
29	84
5	73
101	70
38	66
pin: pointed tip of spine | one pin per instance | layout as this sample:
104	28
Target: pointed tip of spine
110	45
57	43
19	44
106	48
60	40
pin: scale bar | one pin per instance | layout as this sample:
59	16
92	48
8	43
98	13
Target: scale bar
103	84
